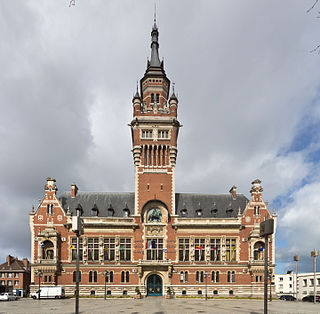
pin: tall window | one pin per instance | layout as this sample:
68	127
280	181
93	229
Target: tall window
230	249
154	249
199	249
146	134
125	276
92	276
215	249
183	276
73	247
50	209
93	249
199	276
258	251
75	276
125	249
157	98
163	134
257	210
108	248
152	98
109	276
231	276
184	250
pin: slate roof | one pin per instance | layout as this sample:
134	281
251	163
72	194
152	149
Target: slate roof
221	203
208	203
16	265
102	200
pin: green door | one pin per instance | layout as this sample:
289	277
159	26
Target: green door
154	285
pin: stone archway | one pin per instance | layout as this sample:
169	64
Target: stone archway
154	285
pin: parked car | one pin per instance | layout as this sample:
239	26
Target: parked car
287	297
8	297
310	298
55	292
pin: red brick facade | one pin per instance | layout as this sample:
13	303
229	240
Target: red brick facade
153	238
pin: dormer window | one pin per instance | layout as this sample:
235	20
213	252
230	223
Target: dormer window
184	212
199	212
126	212
95	210
110	211
229	212
214	212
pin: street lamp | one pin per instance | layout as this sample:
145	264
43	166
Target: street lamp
314	254
77	228
206	276
105	284
40	274
296	259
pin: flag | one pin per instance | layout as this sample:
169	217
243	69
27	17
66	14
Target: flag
198	247
260	249
213	247
233	248
72	246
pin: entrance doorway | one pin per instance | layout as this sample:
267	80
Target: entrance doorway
154	285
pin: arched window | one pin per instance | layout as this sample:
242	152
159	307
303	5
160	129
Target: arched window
258	250
110	212
154	215
122	276
95	210
111	276
201	276
233	277
217	276
229	276
127	276
213	276
75	276
181	276
106	276
197	276
47	249
185	276
90	276
257	210
157	98
152	98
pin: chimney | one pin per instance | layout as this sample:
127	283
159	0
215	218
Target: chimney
25	262
233	192
74	190
9	260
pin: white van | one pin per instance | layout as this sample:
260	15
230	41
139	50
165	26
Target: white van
49	292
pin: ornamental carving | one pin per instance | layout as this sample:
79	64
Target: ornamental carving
154	230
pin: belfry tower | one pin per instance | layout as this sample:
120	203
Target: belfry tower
154	134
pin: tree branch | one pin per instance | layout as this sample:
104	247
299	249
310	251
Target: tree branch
312	6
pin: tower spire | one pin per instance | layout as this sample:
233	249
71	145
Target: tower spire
154	60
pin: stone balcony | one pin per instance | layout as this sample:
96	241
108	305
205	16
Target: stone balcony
155	262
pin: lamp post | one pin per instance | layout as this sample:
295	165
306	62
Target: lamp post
206	275
105	284
296	259
40	274
314	254
77	228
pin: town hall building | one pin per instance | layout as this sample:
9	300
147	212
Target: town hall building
153	238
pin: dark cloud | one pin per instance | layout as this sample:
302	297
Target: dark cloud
245	80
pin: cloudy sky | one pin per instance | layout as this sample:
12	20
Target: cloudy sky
248	90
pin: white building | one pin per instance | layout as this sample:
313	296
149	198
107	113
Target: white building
286	284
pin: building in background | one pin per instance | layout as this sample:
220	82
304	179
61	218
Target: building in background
285	284
15	276
153	238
